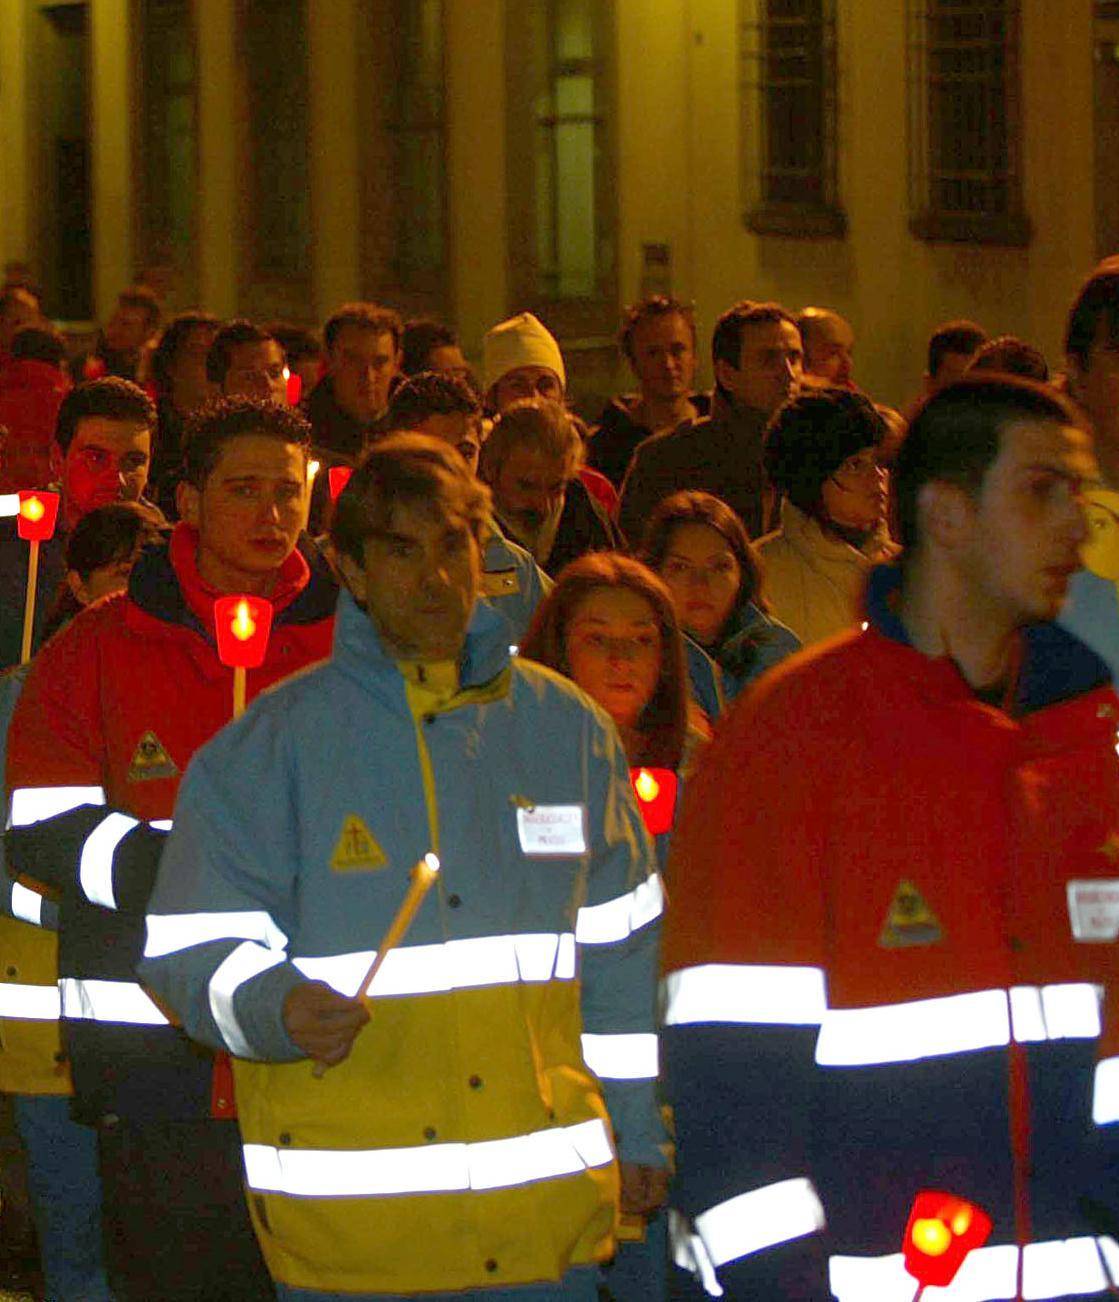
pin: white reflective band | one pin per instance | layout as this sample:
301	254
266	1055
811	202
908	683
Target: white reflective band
621	1057
9	504
96	870
433	1168
455	965
162	824
170	932
36	1003
27	905
604	924
32	804
1065	1012
1052	1269
108	1001
745	1224
1105	1092
747	993
923	1028
247	961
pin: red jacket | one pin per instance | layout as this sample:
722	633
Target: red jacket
30	395
120	700
863	835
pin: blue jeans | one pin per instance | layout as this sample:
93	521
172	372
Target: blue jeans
65	1194
578	1285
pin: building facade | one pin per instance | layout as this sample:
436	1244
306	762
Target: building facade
903	161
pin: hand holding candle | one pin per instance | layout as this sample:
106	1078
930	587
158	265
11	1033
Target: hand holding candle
422	877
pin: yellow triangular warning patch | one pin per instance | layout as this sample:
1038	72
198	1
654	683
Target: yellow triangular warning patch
357	849
151	760
909	921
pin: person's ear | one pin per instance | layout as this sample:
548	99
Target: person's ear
725	374
76	584
353	576
188	500
946	512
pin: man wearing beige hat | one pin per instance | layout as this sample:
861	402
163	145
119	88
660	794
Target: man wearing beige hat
533	467
521	359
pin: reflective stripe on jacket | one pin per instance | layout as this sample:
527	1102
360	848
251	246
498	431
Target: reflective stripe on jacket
464	1143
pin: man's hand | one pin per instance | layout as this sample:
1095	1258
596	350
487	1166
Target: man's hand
322	1022
644	1189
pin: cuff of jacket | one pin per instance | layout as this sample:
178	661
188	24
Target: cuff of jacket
259	1009
639	1130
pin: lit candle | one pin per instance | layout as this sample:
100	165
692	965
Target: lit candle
35	521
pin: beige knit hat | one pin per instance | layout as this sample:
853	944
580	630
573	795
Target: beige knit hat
520	341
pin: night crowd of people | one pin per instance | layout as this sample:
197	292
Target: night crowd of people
672	856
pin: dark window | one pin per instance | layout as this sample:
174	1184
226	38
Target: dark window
404	177
167	138
966	177
789	117
562	204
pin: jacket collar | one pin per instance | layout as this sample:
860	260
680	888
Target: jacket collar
1055	667
361	655
165	584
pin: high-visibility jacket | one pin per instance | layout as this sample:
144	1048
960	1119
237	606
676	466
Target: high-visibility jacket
112	711
890	966
31	1056
465	1142
512	582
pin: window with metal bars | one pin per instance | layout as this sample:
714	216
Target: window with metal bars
561	199
788	105
965	147
404	173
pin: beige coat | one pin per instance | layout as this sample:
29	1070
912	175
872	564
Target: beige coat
815	582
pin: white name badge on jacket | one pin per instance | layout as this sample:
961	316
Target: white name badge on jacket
1093	909
553	829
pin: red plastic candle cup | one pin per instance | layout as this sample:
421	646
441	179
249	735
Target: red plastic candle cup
294	383
942	1230
338	477
655	790
38	514
242	624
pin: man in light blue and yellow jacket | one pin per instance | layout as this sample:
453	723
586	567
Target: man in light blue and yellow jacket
468	1138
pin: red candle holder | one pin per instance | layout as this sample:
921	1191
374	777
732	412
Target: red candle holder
655	790
338	477
38	515
242	625
942	1230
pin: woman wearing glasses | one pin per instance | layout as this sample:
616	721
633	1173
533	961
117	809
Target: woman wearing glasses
822	457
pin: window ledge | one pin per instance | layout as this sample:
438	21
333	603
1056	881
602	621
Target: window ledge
795	222
969	228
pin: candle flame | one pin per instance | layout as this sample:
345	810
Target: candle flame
432	862
242	626
646	786
932	1237
32	509
313	468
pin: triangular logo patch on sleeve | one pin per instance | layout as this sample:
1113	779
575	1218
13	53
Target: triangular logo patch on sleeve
151	760
357	849
909	921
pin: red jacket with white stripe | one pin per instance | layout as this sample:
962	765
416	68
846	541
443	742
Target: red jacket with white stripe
891	966
113	710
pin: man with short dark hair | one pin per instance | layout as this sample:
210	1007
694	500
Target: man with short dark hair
758	360
104	433
128	333
658	341
952	346
431	346
443	405
362	343
245	361
894	893
113	710
19	310
458	1141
